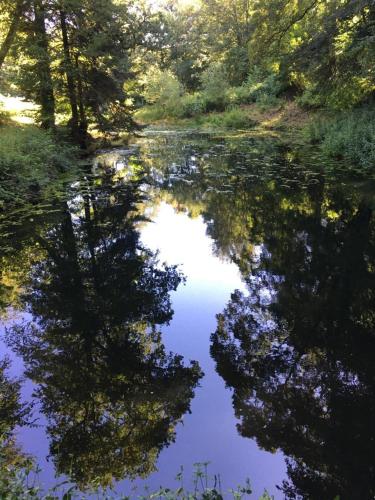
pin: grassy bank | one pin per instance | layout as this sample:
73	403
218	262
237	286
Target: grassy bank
282	117
347	136
263	105
31	161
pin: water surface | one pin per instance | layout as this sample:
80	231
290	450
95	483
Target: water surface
192	298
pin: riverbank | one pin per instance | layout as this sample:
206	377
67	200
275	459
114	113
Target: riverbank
35	161
347	137
32	161
285	116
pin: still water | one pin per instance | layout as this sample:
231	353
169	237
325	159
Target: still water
196	298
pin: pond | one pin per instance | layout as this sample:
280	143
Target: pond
197	298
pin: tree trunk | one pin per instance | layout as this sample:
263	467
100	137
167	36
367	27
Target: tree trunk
69	71
13	28
46	98
81	103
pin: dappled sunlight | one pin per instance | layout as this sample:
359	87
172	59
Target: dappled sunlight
20	111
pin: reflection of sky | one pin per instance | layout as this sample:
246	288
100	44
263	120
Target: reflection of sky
32	440
209	433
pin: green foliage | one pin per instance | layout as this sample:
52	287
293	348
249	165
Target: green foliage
192	105
236	65
161	86
260	86
234	118
349	136
310	98
29	159
21	483
164	94
214	87
4	117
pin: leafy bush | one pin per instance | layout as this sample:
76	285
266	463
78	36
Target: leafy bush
161	87
214	88
4	116
310	98
350	136
259	87
192	105
164	93
29	159
234	118
151	113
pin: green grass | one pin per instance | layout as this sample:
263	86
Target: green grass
30	159
234	118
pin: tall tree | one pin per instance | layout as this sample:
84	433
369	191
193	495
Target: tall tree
15	20
45	96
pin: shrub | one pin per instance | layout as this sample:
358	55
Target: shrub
161	87
29	159
214	88
4	116
234	118
259	87
184	106
192	105
350	136
310	98
164	93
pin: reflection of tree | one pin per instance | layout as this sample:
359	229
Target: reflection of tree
13	413
298	349
111	393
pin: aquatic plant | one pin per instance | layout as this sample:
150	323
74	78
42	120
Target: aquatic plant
23	484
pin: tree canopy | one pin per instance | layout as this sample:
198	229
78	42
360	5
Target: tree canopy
89	63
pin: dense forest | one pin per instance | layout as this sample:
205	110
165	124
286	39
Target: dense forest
90	64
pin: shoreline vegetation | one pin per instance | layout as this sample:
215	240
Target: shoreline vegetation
301	71
347	137
22	483
31	157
